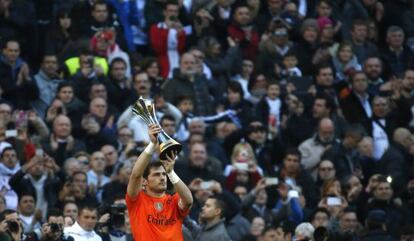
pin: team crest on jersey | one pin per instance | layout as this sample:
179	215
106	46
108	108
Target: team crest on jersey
158	206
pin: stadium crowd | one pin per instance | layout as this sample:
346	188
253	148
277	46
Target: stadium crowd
295	116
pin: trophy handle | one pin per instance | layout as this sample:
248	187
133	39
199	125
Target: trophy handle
167	143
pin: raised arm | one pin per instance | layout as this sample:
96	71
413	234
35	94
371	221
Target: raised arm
186	198
135	180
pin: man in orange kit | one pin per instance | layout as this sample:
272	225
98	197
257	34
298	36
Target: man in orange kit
153	214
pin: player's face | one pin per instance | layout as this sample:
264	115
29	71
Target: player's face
157	180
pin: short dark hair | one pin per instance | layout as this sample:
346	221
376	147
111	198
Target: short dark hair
69	202
63	85
354	130
167	117
382	179
27	193
236	87
268	227
183	98
319	210
237	6
117	60
329	102
87	207
359	22
272	82
327	2
85	51
170	2
220	204
321	67
287	227
354	74
9	148
54	212
147	62
151	165
49	54
5	213
99	2
294	152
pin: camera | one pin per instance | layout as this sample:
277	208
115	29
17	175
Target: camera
54	227
117	212
13	226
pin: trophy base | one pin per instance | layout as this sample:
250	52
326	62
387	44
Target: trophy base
168	146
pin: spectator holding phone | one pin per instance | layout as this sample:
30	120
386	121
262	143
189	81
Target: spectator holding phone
295	176
168	49
244	168
288	206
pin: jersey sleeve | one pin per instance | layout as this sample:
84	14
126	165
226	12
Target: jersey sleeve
131	202
181	213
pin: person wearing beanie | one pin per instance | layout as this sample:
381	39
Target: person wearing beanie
376	226
306	48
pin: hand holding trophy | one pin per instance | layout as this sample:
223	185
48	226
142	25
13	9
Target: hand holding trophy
145	109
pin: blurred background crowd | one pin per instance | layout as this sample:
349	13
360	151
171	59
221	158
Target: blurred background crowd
295	116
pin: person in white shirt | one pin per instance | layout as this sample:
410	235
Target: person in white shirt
27	205
83	229
9	165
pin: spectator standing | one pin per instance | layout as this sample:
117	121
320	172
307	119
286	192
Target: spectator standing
168	39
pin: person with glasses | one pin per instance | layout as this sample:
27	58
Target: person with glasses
326	171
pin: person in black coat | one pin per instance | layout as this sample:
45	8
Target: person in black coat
306	48
397	160
61	144
376	225
15	77
235	101
382	199
345	155
396	57
119	91
356	106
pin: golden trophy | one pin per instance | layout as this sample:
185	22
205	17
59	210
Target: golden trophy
145	109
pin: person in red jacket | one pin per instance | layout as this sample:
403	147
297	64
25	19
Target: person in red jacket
168	39
242	30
